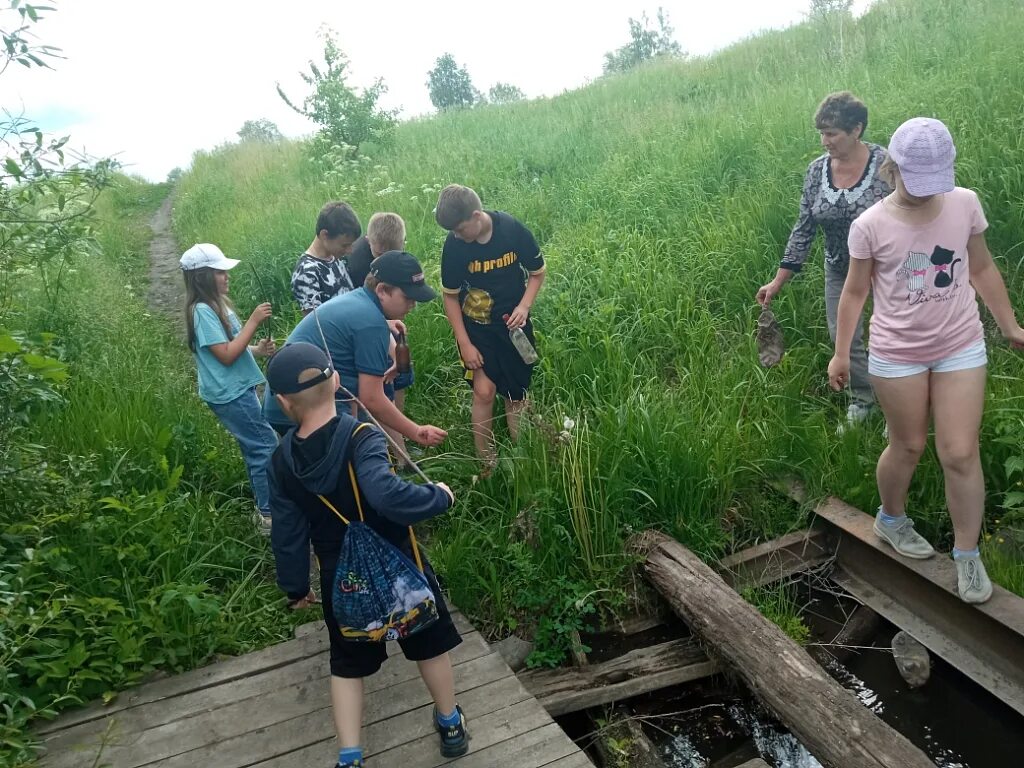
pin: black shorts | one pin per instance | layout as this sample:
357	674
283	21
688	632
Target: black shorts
502	361
355	658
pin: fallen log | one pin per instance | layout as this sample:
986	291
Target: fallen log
565	690
827	718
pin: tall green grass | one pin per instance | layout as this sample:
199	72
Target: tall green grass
662	200
129	547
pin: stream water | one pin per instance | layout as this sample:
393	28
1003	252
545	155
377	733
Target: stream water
717	724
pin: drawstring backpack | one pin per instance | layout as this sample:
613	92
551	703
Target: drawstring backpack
379	594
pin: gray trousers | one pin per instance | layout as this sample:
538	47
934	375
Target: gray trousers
860	384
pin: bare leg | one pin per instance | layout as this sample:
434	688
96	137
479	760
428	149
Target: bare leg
513	411
482	415
440	681
958	398
347	704
904	402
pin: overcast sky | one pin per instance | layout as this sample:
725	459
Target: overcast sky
151	82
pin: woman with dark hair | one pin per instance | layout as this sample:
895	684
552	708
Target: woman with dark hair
838	187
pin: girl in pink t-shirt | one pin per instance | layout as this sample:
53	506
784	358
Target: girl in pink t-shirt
922	253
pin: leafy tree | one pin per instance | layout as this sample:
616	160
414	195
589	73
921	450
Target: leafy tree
46	190
174	175
645	44
505	93
820	8
260	130
346	115
450	85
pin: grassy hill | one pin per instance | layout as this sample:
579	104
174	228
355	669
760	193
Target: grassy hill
662	200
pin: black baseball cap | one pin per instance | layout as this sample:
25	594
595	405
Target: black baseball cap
400	269
284	368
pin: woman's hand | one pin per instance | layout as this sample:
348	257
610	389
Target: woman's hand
767	292
839	372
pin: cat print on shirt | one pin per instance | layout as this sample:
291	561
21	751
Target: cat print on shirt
941	264
914	270
943	258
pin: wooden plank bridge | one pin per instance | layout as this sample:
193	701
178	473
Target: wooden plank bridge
271	709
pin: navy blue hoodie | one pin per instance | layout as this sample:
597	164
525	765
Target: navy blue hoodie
301	468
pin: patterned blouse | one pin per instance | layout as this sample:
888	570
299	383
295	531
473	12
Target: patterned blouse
834	210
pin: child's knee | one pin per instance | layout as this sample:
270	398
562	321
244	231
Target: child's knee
484	390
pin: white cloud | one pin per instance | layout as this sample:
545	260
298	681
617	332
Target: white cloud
152	82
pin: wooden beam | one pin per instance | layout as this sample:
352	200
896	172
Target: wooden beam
827	718
775	560
647	669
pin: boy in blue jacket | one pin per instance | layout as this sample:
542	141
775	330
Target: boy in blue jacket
313	459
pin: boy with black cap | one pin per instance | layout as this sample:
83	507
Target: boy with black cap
356	330
330	454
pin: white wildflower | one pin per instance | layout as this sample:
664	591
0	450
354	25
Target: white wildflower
568	424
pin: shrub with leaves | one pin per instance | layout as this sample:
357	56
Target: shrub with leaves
347	116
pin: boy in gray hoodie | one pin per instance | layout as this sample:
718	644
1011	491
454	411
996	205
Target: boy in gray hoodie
313	459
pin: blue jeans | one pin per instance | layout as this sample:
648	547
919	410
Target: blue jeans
243	418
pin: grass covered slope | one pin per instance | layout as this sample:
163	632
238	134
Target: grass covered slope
662	200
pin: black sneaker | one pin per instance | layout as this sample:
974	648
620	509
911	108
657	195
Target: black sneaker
454	738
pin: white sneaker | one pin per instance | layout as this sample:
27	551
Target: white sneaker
972	582
903	538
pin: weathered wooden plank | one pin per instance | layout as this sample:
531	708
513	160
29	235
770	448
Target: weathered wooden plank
386	737
538	747
313	670
576	760
826	717
222	671
775	560
265	711
755	763
488	730
646	669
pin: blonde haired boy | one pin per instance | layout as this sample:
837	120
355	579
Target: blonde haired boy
330	455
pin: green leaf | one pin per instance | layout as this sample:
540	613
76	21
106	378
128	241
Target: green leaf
12	168
9	345
1013	465
1013	499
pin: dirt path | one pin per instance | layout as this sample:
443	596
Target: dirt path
166	289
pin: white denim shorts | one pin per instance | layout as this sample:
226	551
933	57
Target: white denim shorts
973	356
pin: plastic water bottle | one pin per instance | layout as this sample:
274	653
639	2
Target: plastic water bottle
403	361
522	344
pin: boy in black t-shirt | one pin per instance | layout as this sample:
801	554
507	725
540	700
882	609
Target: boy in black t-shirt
320	273
491	272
